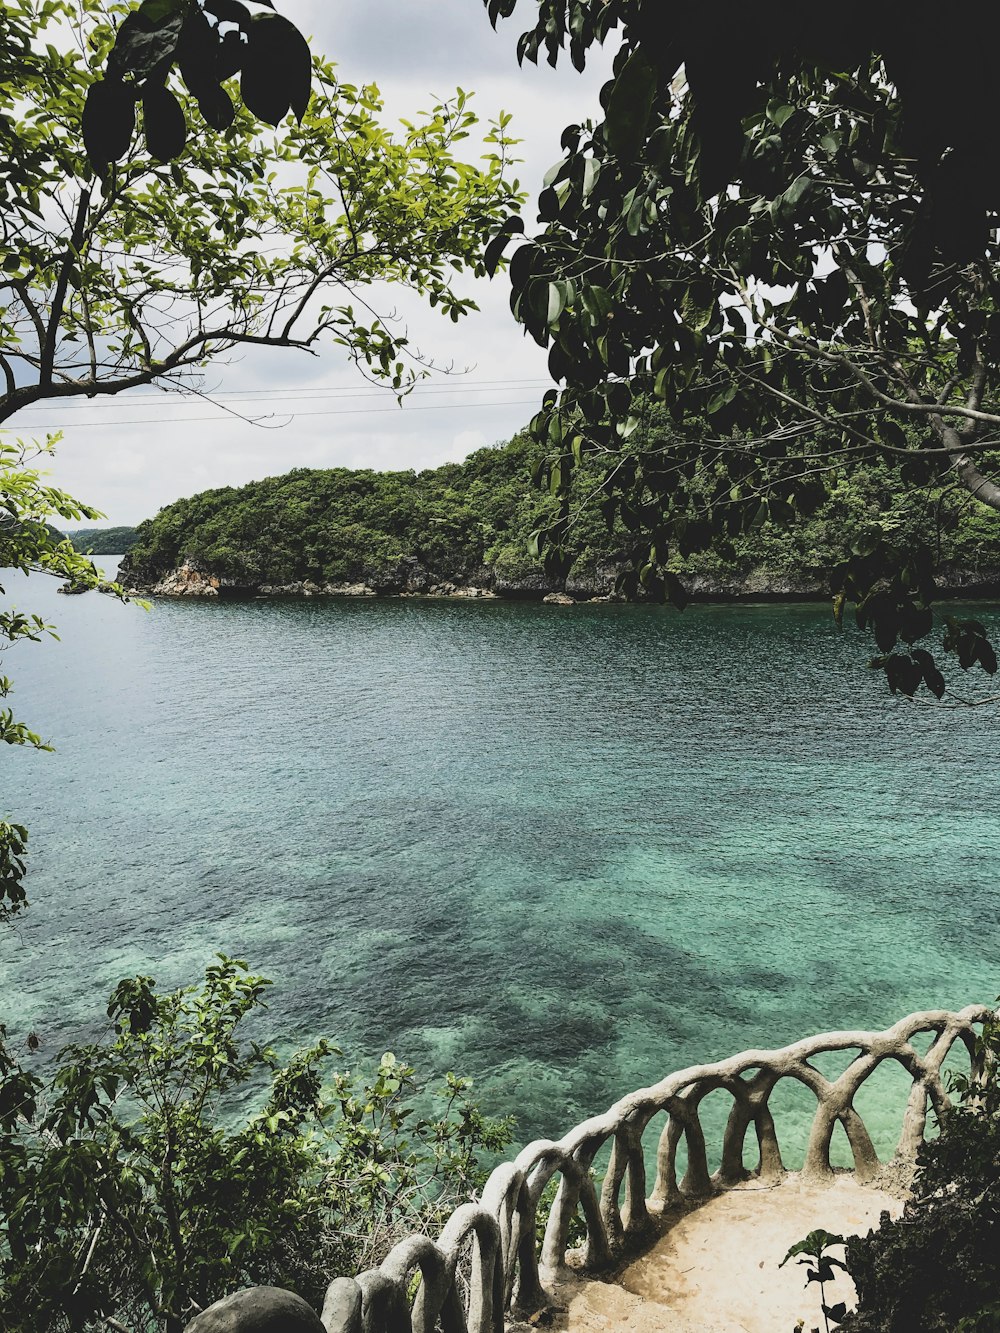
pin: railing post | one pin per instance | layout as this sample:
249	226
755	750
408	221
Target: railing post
342	1306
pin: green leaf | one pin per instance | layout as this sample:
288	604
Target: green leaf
277	70
813	1244
796	193
156	11
142	49
162	122
108	121
630	105
556	302
217	107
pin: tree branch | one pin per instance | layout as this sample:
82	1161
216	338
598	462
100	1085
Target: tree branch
48	349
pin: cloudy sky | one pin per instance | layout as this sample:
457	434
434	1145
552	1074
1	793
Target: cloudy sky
130	455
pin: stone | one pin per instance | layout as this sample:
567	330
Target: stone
559	599
187	580
348	590
258	1310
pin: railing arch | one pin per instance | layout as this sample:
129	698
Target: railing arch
508	1268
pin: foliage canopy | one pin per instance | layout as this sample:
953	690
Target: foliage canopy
472	521
765	233
244	240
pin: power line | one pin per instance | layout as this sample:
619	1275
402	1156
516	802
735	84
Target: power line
292	416
128	397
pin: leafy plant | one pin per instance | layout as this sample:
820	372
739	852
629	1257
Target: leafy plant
815	1251
761	234
209	44
247	238
137	1187
934	1270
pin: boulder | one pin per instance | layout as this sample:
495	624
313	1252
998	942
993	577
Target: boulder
559	599
588	580
258	1310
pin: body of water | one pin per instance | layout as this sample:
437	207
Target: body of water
565	851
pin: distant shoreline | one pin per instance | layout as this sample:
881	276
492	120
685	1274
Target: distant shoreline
191	581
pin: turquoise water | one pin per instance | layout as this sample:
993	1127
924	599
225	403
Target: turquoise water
564	851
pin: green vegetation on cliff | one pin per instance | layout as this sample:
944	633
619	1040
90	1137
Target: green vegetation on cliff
342	525
472	522
103	541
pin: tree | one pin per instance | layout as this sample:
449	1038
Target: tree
143	273
137	1188
244	240
762	233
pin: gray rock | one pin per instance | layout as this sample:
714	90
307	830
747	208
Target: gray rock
595	578
526	584
258	1310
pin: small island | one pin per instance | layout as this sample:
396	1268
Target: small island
464	530
103	541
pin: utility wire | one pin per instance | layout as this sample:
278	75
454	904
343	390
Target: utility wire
291	416
127	398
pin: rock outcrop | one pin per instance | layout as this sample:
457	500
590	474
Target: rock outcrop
407	577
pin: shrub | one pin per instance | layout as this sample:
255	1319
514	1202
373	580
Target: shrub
135	1188
936	1269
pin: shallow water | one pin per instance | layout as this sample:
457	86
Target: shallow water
564	851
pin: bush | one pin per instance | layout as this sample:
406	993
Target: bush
937	1269
135	1188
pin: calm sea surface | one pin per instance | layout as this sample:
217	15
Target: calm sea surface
563	851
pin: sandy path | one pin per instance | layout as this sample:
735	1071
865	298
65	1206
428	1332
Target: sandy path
715	1270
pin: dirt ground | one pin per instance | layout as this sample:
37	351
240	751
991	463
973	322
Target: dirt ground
715	1269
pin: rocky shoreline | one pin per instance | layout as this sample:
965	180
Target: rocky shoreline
408	578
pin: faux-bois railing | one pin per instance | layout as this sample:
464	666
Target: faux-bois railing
500	1231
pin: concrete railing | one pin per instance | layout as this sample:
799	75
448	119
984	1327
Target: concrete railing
487	1260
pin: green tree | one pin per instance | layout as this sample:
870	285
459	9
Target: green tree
245	239
102	541
136	1188
762	234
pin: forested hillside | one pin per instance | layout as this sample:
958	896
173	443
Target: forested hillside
103	541
470	524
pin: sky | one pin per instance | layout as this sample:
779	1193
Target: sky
134	453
